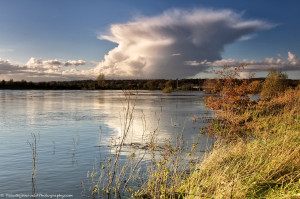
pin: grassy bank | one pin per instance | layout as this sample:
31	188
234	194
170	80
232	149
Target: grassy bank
268	166
257	154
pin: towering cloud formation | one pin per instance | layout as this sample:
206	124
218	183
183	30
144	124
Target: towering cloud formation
166	46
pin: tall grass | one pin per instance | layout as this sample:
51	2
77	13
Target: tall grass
256	169
33	147
268	166
112	176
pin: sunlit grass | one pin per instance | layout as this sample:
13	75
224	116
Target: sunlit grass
266	167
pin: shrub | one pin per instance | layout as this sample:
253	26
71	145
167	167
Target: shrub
171	83
255	86
275	83
209	85
232	92
101	80
167	90
231	101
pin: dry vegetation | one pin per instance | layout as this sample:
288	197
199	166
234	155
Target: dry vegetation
268	166
256	154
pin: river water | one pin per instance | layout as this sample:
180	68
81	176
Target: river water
75	128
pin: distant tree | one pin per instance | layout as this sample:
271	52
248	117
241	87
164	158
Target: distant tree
139	85
91	86
167	90
187	86
209	85
161	85
10	82
151	85
171	83
101	80
274	83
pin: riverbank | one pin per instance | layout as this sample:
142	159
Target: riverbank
268	166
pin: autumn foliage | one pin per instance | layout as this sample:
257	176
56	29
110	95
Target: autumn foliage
230	101
232	92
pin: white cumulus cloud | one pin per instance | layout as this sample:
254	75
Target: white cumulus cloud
52	64
290	63
7	67
43	70
75	63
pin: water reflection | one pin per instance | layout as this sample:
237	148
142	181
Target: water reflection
62	118
166	115
75	142
34	188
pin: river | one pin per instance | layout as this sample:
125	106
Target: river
75	128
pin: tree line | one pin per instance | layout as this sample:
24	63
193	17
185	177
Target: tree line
102	84
207	85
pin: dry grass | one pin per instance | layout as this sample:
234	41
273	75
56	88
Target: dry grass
256	169
266	167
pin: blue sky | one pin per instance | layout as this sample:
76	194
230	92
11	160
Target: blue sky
78	39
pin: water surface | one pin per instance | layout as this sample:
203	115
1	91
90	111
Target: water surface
75	129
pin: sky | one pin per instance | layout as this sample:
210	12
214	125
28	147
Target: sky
58	40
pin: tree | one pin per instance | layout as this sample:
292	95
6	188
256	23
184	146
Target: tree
231	100
232	92
171	83
209	85
152	84
274	83
101	80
